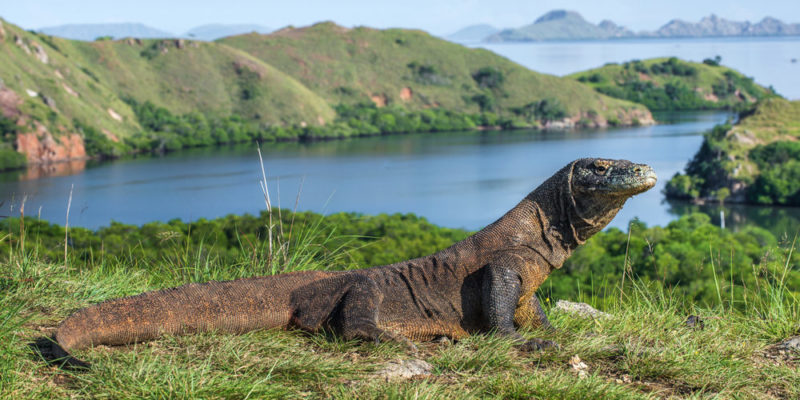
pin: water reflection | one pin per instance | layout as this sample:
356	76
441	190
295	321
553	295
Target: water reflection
783	222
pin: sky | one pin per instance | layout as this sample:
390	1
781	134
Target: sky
435	16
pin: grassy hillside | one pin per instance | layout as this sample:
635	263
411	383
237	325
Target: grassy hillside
673	84
643	350
757	160
64	99
43	91
185	76
416	70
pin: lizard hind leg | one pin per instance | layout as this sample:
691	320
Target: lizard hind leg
358	314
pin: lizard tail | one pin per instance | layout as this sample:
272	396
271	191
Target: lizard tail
231	306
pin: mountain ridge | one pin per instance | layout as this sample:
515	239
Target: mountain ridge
570	25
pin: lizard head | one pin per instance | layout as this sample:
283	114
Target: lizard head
611	179
599	188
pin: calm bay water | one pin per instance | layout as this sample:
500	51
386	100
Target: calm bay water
462	179
768	60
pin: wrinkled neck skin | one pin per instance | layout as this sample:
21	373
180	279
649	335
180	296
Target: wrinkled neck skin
554	219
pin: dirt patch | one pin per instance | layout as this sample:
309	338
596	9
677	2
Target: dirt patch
243	64
406	94
114	115
112	137
9	103
379	100
69	90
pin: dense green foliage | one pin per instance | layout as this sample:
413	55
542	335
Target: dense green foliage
779	180
9	158
704	172
673	84
690	255
759	156
680	256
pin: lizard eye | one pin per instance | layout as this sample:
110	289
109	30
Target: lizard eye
601	168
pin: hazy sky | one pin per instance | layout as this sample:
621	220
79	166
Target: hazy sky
435	16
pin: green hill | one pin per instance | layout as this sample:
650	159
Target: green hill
673	84
62	99
415	70
757	160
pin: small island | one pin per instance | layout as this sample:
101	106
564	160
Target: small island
752	161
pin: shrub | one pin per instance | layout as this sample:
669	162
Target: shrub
489	78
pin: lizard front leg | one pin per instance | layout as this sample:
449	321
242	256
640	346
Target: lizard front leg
502	286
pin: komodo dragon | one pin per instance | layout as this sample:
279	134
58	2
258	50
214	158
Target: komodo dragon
485	282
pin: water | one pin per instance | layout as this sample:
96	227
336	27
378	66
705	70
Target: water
464	179
768	60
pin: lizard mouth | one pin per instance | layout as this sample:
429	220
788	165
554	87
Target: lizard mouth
648	180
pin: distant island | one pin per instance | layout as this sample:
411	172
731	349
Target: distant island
570	25
92	32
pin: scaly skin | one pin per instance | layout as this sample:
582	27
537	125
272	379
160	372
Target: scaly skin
482	283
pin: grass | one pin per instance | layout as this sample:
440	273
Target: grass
643	351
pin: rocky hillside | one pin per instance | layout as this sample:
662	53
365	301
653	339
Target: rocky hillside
714	26
64	99
673	84
560	25
757	160
569	25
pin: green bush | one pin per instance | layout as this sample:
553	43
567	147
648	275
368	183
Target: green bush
489	78
778	181
10	159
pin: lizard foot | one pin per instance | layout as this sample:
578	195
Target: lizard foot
538	345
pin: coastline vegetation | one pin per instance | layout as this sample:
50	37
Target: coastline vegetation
756	160
671	84
165	132
675	257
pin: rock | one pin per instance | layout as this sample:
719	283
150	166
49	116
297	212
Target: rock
19	42
2	31
581	309
114	115
793	343
579	366
41	147
405	369
39	52
31	93
566	123
694	322
49	101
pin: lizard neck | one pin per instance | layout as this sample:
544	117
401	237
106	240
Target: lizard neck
551	220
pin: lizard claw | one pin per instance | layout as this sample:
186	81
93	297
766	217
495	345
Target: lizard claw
538	345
